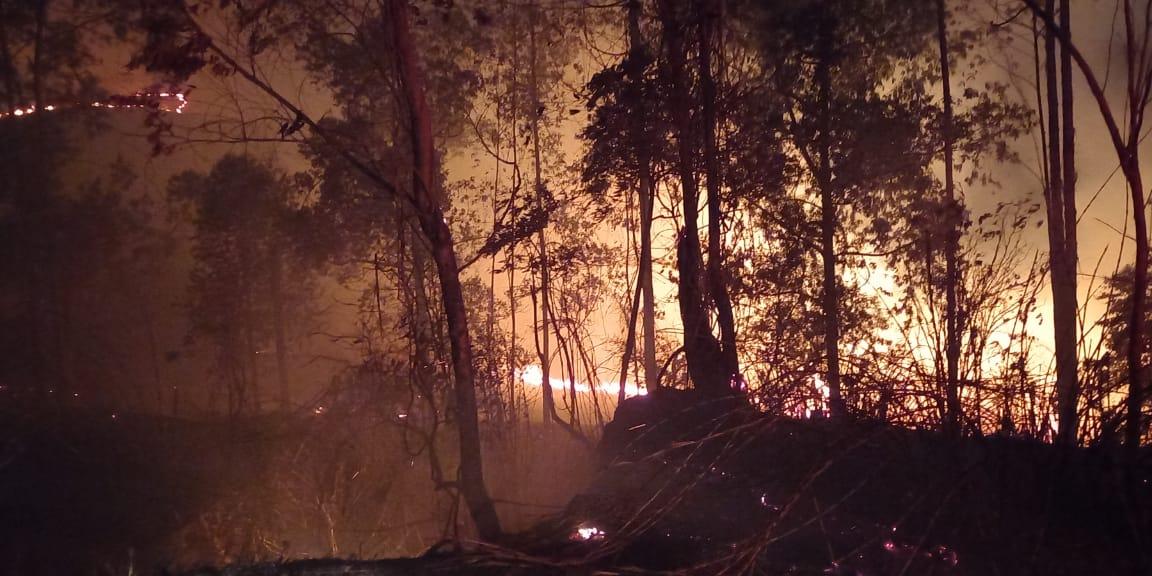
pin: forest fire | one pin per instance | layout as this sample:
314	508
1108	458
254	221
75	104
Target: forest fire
656	286
532	376
164	101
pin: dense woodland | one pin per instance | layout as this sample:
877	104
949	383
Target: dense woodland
385	274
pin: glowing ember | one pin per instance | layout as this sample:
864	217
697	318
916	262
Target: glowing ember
164	101
585	533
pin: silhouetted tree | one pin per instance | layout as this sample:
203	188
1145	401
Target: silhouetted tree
242	217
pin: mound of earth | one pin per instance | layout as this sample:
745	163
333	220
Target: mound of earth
696	483
702	485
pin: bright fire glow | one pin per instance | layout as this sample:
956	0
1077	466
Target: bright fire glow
585	532
817	404
533	376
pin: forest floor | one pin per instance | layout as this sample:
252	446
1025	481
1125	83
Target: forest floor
686	485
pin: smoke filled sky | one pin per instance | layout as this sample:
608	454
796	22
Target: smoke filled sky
225	111
1103	201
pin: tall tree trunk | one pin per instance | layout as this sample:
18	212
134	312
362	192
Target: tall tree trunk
639	56
1064	285
629	345
648	314
1060	204
830	303
430	213
716	284
1138	97
510	262
1126	144
538	187
701	348
1053	185
952	415
281	340
508	418
637	61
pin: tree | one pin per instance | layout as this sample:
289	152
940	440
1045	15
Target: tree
1059	171
970	127
1116	333
856	128
178	44
1125	135
952	416
711	368
242	222
627	155
44	57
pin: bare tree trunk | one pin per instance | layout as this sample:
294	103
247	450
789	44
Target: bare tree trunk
639	54
430	214
508	419
701	348
648	314
513	301
1126	144
952	415
1060	204
716	283
1053	196
538	188
637	58
1064	287
828	220
1139	83
629	345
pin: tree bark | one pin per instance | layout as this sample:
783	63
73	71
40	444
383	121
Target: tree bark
1058	194
1064	287
648	315
1126	145
716	283
952	415
1138	97
549	403
430	213
701	348
828	219
637	58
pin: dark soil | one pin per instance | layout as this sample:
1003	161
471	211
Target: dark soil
688	483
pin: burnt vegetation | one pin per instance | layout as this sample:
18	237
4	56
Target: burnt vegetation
560	286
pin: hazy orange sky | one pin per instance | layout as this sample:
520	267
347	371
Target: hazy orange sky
214	98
